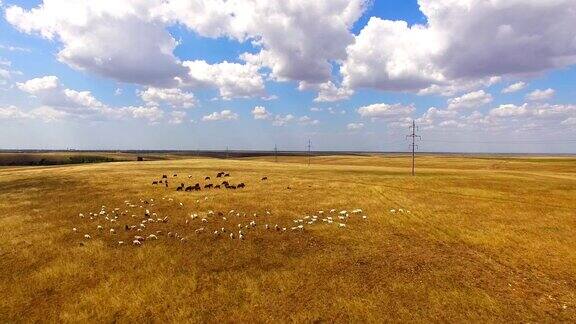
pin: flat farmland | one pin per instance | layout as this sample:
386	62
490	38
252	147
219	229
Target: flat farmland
346	239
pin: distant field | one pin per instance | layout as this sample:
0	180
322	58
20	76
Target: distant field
58	158
479	239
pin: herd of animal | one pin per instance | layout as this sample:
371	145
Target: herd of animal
137	223
208	185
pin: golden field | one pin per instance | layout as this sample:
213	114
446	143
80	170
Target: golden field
486	239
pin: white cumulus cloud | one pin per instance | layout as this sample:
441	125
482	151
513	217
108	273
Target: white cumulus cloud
515	87
175	97
355	126
260	112
540	95
470	101
222	115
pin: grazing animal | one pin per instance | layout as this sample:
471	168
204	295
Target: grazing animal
175	175
164	176
226	174
264	178
152	236
166	183
179	188
241	185
120	242
189	188
207	178
154	182
217	187
86	236
136	242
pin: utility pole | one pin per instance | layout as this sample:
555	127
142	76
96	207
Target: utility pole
275	153
413	145
309	151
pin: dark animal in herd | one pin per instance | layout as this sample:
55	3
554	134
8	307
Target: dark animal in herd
197	186
264	178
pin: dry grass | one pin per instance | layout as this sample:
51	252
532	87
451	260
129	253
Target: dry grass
487	239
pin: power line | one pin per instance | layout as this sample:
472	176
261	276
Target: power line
309	151
275	153
413	145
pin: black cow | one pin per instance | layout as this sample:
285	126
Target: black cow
207	178
179	188
226	174
217	187
175	175
264	178
189	188
154	182
164	176
166	183
208	186
241	185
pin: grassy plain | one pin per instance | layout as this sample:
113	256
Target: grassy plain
489	239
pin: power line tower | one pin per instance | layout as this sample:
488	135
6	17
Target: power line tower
275	153
309	151
413	136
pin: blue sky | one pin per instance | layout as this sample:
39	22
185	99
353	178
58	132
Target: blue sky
251	74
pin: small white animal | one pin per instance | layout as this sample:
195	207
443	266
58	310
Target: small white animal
152	236
86	236
136	242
